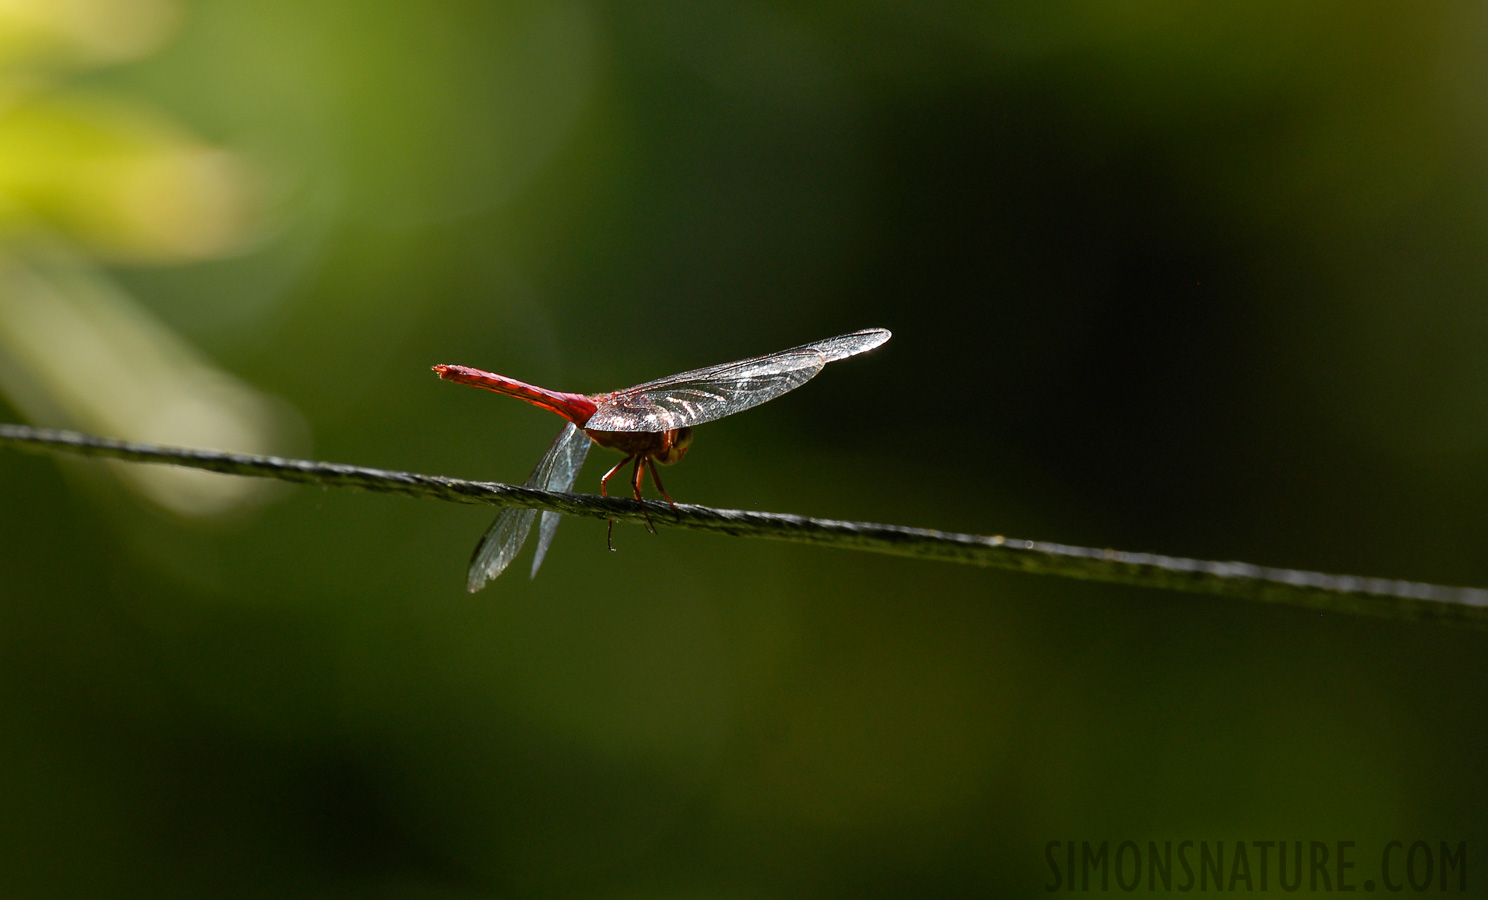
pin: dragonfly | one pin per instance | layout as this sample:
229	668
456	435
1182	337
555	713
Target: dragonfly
649	424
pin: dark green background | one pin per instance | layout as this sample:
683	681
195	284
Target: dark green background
1208	280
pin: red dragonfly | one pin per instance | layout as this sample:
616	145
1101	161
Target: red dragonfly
650	423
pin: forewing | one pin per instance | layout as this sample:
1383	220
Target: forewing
845	345
504	539
703	395
567	453
706	394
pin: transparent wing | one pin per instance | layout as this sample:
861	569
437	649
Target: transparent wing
499	545
504	539
707	394
703	395
845	345
568	455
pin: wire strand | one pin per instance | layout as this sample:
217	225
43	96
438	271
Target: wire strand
1316	590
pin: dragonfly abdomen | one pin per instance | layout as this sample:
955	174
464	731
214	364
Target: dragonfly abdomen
576	408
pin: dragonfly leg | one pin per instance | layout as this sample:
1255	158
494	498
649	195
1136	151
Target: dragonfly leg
610	523
656	479
635	483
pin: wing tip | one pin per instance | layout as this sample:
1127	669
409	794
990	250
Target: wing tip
851	344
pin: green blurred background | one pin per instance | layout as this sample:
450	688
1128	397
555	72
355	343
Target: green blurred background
1209	280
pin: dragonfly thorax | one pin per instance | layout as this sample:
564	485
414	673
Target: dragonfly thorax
665	447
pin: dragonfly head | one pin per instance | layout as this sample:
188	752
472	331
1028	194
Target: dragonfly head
676	446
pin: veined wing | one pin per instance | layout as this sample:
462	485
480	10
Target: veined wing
500	544
568	453
504	539
703	395
845	345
